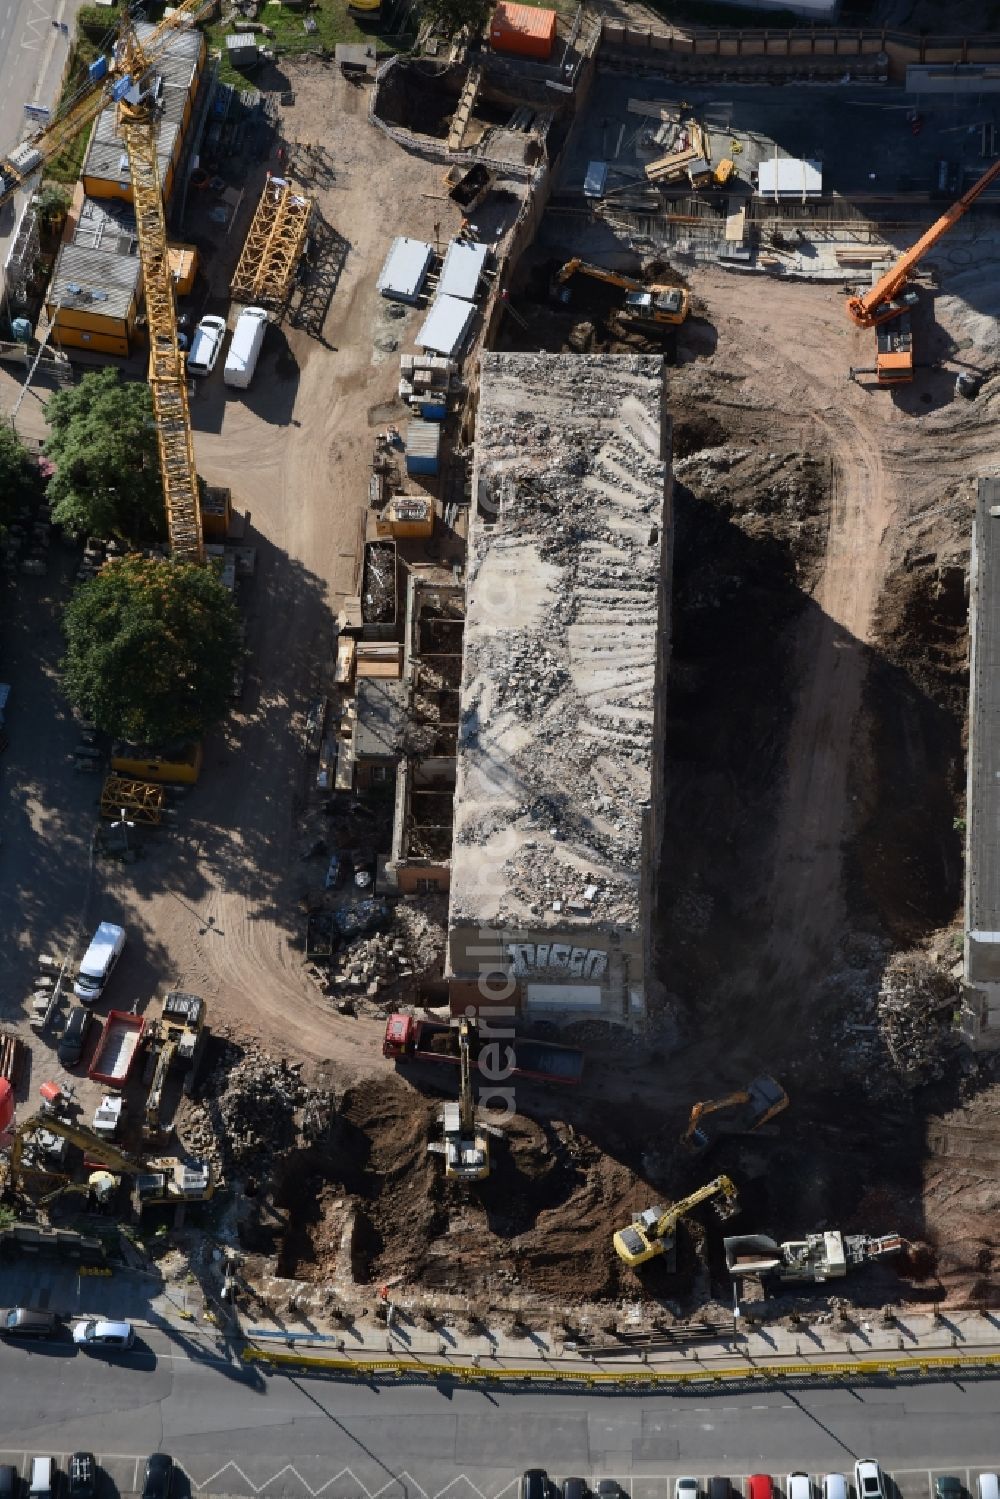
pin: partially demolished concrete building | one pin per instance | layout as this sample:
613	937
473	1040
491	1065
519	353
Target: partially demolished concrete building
559	778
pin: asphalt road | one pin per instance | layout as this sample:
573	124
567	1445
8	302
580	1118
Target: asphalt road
33	54
237	1432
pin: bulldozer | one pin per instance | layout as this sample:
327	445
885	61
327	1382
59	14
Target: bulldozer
466	1143
736	1114
653	1232
664	305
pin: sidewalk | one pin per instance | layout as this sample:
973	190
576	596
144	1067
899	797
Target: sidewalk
913	1340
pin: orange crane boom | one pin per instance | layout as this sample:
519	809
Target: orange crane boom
879	304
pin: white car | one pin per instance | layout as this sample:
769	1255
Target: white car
686	1488
206	343
96	1332
868	1480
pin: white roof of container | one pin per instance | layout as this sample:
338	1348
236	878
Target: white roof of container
463	266
788	177
405	269
446	324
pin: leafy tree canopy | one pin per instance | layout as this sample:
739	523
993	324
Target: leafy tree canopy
151	650
107	468
455	16
19	478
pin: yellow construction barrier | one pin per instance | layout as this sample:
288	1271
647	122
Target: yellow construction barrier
887	1364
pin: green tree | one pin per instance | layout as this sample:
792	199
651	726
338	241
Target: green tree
107	467
455	16
19	477
151	648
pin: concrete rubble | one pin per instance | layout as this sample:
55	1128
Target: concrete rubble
369	973
560	680
917	1004
253	1108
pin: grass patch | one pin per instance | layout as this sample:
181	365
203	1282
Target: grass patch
291	39
66	166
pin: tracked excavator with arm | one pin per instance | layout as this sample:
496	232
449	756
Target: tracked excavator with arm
886	306
127	80
466	1143
647	304
737	1114
654	1231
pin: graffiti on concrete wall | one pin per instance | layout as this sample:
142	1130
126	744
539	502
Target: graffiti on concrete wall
558	958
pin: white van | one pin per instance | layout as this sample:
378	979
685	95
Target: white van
244	351
99	961
988	1486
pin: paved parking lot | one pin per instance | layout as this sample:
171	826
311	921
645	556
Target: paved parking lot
122	1474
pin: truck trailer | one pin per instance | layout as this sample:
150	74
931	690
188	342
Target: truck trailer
408	1039
117	1049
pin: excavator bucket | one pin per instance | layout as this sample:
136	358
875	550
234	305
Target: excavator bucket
767	1098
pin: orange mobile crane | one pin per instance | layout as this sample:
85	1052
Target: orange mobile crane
888	302
128	80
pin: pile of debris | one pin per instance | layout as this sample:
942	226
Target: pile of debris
373	968
254	1107
917	1004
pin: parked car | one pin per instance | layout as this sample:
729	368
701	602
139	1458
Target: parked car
206	345
10	1482
609	1488
82	1475
158	1479
42	1479
759	1486
868	1480
22	1322
576	1488
535	1484
835	1487
720	1488
947	1487
988	1486
686	1488
797	1486
73	1041
97	1333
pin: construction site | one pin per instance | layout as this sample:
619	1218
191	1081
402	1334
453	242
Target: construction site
588	905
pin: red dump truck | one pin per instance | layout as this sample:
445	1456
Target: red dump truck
408	1039
117	1049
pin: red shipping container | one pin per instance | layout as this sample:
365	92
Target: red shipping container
523	30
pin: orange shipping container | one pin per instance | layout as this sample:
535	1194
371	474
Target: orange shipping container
524	30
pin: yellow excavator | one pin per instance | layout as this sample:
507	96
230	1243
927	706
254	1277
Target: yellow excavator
654	1232
179	1032
466	1143
167	1180
668	305
738	1113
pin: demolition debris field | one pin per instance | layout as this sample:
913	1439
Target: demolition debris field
816	703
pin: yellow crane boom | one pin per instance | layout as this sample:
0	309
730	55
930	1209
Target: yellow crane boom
167	374
126	82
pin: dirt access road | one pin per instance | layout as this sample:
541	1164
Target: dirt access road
212	906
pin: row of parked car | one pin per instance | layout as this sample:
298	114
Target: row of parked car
869	1483
22	1324
45	1479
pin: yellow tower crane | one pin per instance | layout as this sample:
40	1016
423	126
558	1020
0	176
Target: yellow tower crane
127	81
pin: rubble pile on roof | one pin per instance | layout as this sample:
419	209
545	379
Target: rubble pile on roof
563	634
